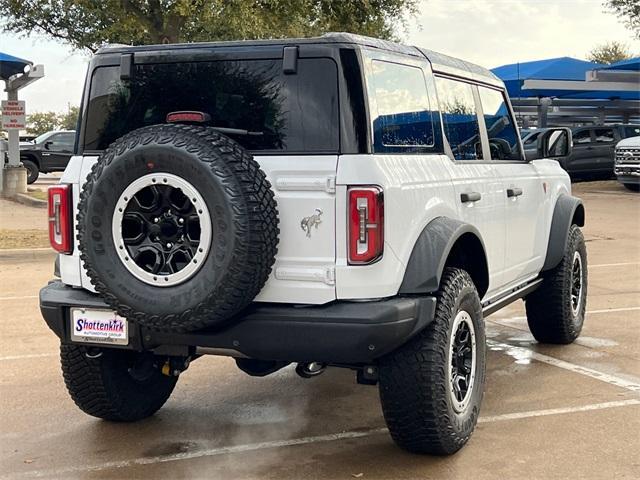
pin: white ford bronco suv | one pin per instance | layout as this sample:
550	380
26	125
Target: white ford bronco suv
336	201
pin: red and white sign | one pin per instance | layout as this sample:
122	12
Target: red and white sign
13	114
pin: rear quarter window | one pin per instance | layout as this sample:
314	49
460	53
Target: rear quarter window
273	112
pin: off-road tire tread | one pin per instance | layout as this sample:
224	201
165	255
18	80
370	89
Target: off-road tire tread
549	307
257	226
413	379
91	386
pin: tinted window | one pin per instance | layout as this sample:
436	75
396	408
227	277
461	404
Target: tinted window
62	142
272	111
532	139
582	136
459	118
404	118
604	135
502	132
632	131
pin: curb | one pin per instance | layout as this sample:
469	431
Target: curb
8	254
27	200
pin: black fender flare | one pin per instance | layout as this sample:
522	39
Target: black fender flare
568	211
430	252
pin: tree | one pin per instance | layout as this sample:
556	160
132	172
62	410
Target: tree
41	122
628	11
87	24
609	53
68	120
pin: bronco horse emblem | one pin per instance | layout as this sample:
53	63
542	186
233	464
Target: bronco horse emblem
313	221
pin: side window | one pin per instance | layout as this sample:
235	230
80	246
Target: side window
604	135
532	139
581	137
633	131
459	118
61	142
501	130
66	141
404	117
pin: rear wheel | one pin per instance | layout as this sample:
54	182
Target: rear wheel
555	311
118	385
431	388
32	171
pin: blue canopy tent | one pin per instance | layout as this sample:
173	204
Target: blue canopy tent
630	64
10	65
572	91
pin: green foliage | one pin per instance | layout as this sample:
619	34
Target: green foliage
87	24
628	11
608	53
69	119
42	122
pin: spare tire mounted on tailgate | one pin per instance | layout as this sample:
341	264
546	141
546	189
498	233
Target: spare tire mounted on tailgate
178	227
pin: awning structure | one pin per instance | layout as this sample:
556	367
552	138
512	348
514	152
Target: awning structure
10	65
569	91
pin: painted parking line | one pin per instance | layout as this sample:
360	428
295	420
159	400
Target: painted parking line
35	249
589	312
602	265
27	356
249	447
522	352
24	297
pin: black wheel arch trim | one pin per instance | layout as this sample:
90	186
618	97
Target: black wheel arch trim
568	210
431	252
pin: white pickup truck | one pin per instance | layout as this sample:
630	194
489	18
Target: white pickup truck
627	163
331	202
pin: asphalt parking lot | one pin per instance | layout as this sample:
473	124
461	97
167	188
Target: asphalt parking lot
548	412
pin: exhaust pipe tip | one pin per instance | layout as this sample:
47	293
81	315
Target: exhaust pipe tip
310	369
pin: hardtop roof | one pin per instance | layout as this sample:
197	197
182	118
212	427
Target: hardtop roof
440	63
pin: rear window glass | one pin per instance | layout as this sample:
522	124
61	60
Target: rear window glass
271	111
404	117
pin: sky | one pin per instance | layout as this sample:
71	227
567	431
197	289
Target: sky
487	32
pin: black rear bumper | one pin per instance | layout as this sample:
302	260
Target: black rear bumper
340	332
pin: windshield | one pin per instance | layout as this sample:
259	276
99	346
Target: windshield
43	137
252	101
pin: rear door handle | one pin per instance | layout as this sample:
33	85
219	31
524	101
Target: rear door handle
514	192
470	197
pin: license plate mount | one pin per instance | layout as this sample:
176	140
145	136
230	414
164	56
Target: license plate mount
90	325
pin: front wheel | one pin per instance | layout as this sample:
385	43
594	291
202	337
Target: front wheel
32	171
634	187
117	385
556	310
431	388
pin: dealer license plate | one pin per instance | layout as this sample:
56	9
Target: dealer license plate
98	326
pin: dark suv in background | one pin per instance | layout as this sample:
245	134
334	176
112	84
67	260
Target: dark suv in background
594	149
49	152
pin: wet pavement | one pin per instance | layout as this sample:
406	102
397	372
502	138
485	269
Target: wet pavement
548	412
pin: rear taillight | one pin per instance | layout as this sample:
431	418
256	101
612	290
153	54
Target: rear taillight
60	220
366	228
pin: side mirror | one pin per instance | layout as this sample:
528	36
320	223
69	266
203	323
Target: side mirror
554	143
47	145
